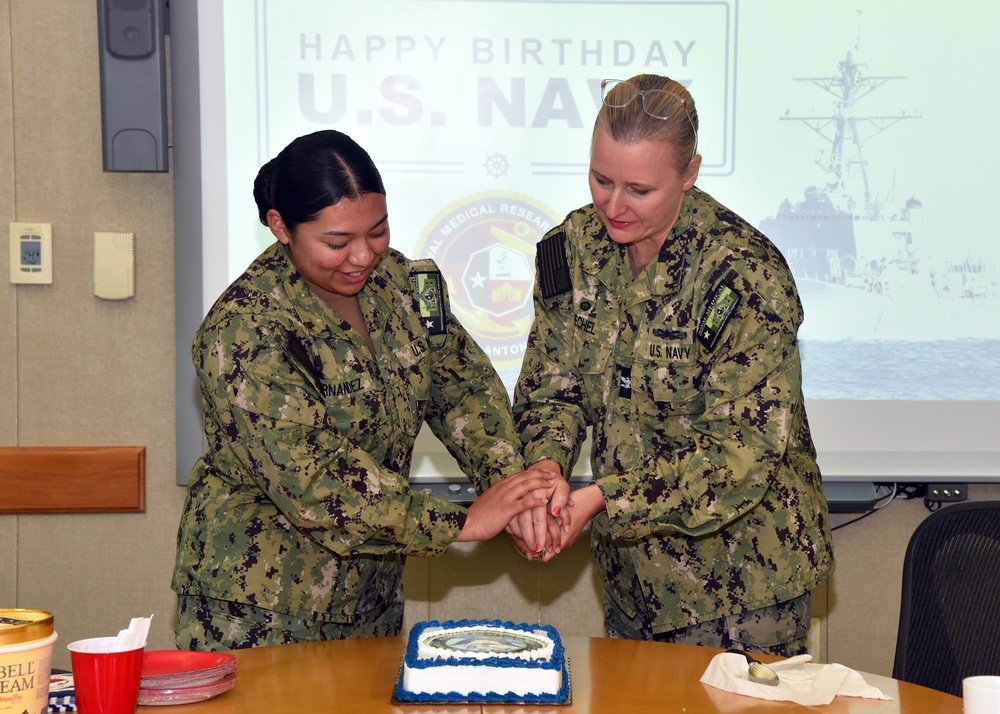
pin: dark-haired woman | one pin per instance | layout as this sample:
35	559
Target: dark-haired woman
317	368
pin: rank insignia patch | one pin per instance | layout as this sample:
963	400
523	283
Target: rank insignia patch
430	296
624	382
721	307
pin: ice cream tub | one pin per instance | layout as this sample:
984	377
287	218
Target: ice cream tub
26	642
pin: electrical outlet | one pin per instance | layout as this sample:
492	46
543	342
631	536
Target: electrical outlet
947	492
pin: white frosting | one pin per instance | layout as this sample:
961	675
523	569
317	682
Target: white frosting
471	679
463	648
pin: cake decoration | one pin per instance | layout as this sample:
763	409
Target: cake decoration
483	661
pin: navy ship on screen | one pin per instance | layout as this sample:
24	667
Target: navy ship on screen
867	269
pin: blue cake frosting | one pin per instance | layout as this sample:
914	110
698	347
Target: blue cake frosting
557	661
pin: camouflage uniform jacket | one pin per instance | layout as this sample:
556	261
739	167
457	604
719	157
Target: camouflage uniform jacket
701	447
301	503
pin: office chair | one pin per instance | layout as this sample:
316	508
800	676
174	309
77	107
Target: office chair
949	620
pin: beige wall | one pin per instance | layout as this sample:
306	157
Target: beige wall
80	371
8	330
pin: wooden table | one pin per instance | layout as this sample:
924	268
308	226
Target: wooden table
608	676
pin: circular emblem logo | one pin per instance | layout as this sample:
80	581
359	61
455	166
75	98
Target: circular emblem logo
484	245
486	641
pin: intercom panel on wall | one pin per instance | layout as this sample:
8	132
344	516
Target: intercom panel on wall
133	84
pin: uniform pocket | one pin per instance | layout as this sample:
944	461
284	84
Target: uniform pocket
382	587
593	355
668	368
613	561
771	628
352	399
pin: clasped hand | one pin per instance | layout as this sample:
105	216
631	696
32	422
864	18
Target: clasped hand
535	508
543	533
538	532
506	501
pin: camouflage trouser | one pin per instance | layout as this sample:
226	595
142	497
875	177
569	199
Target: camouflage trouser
778	629
207	624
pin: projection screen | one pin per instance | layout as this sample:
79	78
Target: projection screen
858	136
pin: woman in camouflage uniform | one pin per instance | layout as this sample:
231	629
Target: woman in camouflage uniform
317	368
669	325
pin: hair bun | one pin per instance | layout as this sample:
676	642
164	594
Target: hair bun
262	190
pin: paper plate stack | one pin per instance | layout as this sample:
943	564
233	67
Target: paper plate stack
182	677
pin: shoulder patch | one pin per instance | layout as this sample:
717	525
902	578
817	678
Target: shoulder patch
553	271
721	307
429	286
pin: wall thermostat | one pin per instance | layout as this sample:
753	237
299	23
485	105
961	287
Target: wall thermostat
31	253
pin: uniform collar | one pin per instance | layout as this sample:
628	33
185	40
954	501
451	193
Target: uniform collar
377	297
608	260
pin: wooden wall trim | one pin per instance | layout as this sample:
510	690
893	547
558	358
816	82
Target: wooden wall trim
72	479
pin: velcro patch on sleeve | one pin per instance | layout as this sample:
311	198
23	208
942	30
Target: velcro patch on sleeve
553	270
721	307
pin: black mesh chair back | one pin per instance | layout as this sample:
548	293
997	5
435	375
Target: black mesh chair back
949	621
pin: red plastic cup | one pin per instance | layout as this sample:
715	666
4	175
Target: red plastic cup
105	682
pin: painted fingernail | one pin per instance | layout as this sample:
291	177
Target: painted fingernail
556	511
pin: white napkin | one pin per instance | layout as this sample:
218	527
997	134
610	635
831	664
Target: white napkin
799	680
134	637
